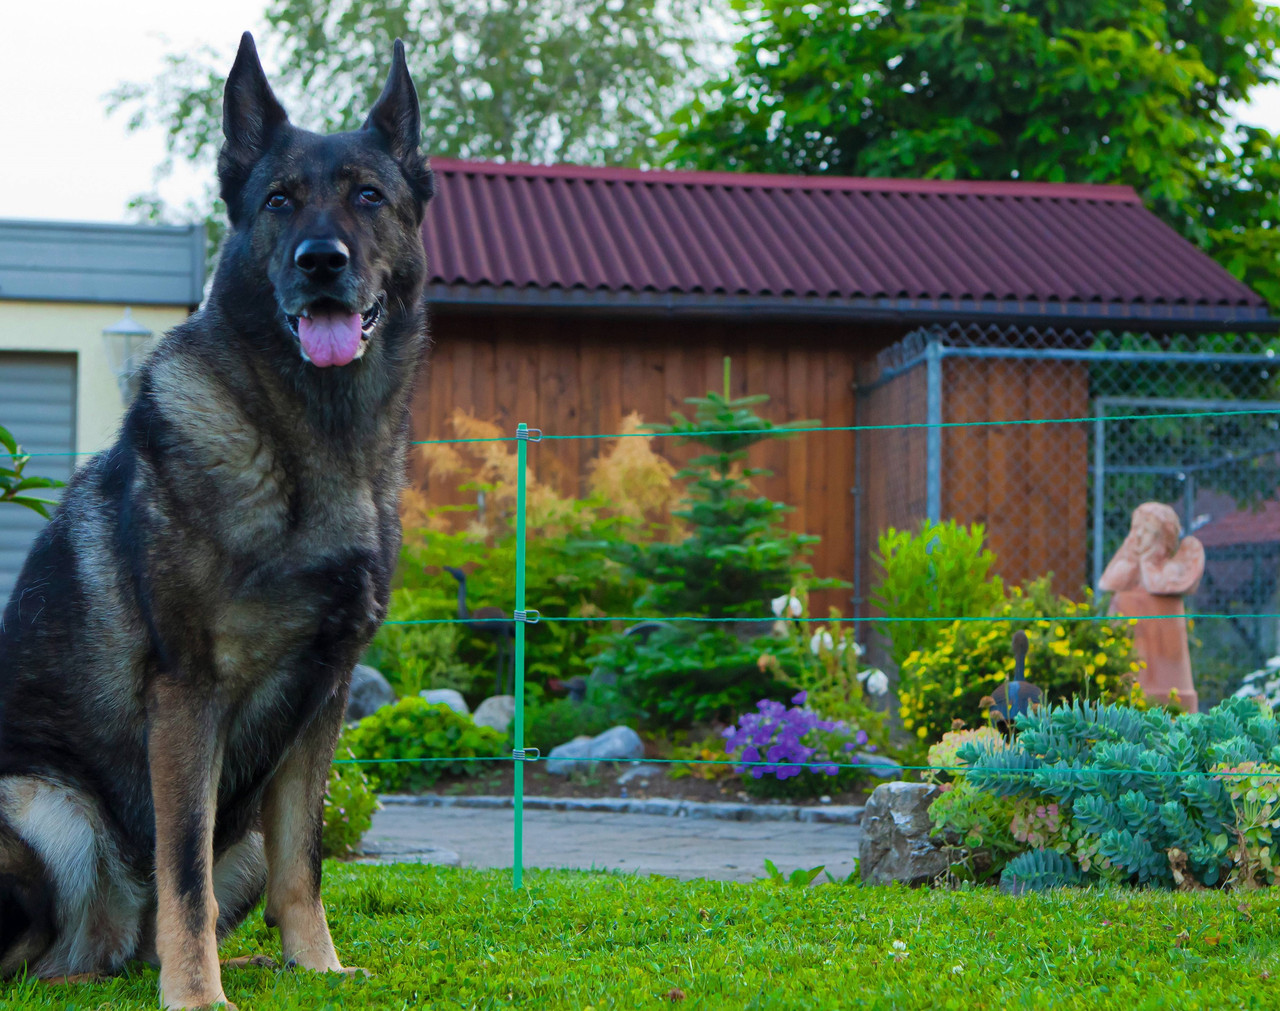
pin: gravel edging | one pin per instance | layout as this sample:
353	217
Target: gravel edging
841	814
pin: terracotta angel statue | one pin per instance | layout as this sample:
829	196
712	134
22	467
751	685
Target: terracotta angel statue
1154	568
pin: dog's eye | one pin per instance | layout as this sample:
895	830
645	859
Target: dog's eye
277	201
370	196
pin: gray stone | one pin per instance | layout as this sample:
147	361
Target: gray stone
398	852
617	744
881	767
447	696
370	691
896	845
566	758
497	711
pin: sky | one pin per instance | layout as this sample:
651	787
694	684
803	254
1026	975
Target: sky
73	162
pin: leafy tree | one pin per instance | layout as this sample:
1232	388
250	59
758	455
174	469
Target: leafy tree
1107	91
525	80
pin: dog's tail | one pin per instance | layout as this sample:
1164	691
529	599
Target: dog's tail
26	904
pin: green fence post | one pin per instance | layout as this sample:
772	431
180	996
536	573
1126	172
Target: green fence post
522	455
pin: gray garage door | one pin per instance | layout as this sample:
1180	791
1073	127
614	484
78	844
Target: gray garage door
38	405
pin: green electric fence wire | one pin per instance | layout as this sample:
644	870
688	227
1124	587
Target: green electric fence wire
522	451
836	621
819	766
781	431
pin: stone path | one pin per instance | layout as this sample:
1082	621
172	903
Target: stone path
682	847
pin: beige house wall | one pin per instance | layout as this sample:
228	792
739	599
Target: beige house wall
76	328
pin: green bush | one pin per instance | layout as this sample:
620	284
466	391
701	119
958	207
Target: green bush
568	574
968	660
1143	796
943	572
415	729
418	657
349	803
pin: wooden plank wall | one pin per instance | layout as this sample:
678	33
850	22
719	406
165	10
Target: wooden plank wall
1027	484
582	374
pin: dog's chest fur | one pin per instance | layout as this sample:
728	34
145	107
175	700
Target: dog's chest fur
294	524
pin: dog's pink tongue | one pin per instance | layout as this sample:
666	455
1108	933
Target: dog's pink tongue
330	338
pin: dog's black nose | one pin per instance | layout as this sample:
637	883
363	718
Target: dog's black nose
321	258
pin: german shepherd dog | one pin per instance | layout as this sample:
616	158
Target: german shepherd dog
176	655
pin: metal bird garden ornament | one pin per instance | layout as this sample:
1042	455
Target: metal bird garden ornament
1017	695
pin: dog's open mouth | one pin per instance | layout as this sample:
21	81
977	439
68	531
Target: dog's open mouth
331	334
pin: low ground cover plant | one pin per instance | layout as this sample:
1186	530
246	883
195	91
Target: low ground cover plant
1138	796
445	937
408	746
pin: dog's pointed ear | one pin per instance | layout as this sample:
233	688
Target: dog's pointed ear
395	114
395	118
251	114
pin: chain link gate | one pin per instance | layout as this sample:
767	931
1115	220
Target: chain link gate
1188	420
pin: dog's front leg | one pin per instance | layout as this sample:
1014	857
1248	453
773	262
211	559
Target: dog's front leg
292	822
184	753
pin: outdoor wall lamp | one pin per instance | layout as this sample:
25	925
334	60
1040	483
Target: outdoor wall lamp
127	344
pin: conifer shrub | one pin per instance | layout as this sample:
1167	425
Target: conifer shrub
735	558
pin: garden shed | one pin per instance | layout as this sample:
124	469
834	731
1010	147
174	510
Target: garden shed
567	297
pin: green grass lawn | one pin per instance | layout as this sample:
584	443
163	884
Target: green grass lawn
445	938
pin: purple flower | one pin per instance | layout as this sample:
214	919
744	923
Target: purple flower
798	698
862	737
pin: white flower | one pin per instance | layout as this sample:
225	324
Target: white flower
957	969
877	682
899	945
859	649
862	674
787	604
821	640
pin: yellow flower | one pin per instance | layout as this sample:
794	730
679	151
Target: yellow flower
1089	669
1100	659
922	732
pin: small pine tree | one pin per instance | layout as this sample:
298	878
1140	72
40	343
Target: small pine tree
736	558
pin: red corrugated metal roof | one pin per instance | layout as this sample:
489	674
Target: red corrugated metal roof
571	228
1243	526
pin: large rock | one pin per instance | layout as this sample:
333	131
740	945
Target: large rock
449	697
370	691
497	711
617	744
895	836
878	765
